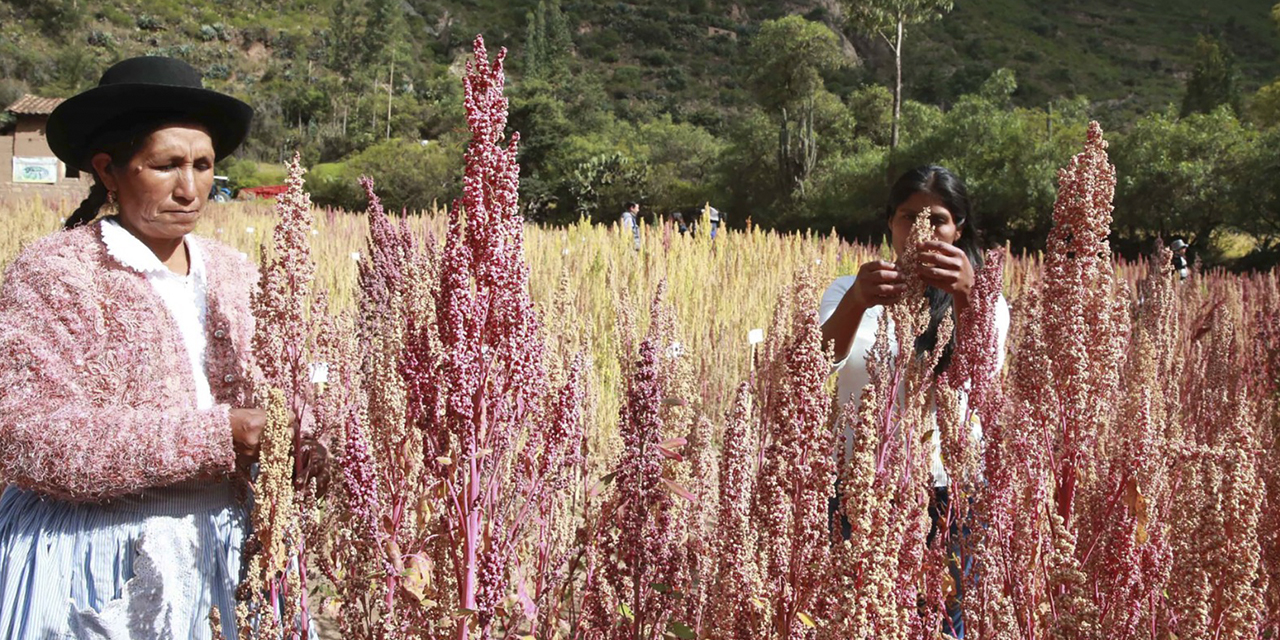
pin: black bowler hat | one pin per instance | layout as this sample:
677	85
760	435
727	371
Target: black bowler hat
138	92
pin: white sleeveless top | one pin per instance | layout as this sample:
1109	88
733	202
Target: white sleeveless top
853	369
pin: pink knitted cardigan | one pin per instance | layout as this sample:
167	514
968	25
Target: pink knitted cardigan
97	399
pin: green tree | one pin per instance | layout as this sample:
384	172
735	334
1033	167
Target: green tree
11	90
872	109
889	20
75	70
1214	79
1172	174
548	43
1008	157
346	31
789	56
542	120
304	102
1264	109
846	193
682	160
607	180
1254	174
409	176
999	87
385	39
749	168
835	123
535	42
57	18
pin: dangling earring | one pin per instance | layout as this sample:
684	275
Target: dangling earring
111	207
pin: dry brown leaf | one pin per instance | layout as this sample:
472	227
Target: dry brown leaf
1136	503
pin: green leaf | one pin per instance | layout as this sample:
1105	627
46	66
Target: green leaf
659	587
804	618
626	611
681	630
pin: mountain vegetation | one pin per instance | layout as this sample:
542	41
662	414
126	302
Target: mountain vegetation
781	113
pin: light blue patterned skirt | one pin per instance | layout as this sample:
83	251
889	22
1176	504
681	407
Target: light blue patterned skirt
145	566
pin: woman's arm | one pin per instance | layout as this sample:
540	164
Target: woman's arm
840	328
59	437
878	282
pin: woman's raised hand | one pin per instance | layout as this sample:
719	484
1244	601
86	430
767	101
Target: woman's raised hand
945	267
878	283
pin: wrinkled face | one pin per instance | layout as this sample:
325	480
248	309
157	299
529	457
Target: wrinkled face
944	225
162	189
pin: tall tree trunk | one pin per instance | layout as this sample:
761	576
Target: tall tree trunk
897	86
391	80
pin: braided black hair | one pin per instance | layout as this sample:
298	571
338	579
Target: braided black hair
89	207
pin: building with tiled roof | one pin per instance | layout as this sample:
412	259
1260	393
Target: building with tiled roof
29	105
27	166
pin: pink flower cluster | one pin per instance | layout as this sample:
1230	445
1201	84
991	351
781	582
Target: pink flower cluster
797	475
292	331
460	451
1123	483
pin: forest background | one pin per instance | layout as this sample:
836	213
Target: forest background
777	113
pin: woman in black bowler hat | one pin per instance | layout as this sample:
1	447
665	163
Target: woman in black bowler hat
126	420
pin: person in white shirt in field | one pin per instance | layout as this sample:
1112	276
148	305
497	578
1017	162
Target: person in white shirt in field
630	220
851	307
716	219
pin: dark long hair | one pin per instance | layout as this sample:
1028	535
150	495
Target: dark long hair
949	188
121	139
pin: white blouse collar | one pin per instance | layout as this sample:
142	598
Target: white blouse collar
132	253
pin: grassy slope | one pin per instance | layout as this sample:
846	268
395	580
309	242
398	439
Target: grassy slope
1131	56
1128	56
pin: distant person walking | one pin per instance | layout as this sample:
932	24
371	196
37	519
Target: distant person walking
681	225
1180	258
716	217
631	221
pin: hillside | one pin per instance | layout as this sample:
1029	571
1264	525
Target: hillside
678	56
1132	55
659	102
